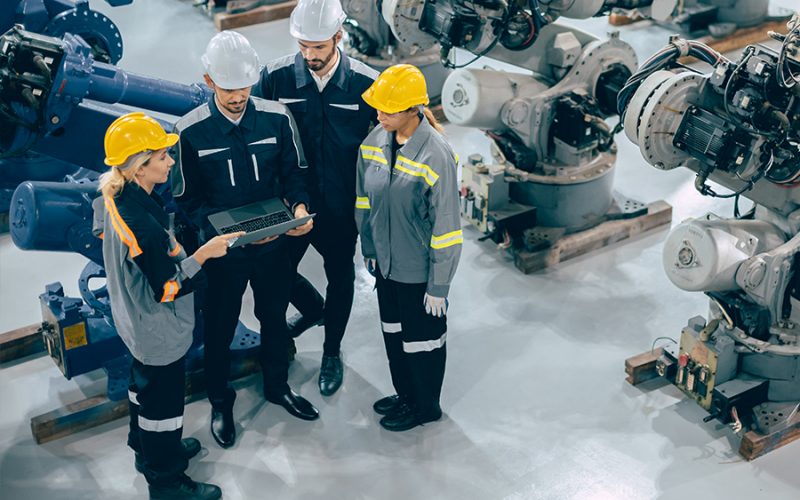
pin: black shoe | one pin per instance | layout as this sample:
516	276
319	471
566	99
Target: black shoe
387	405
223	428
291	351
295	404
184	488
298	323
191	447
330	374
405	420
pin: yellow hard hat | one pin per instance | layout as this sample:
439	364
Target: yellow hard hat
398	88
134	133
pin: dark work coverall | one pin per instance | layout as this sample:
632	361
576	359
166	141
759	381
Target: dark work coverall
332	124
222	166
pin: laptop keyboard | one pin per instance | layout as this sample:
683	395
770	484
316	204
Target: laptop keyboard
257	223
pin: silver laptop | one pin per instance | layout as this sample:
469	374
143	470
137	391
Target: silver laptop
259	220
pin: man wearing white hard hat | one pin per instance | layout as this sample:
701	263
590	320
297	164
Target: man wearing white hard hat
233	151
322	87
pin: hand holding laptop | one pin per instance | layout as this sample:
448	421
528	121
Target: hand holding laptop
265	240
300	211
261	222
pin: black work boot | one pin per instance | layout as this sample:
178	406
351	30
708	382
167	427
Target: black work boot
387	405
407	417
189	448
184	488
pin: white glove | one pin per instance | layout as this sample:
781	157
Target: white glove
370	265
436	306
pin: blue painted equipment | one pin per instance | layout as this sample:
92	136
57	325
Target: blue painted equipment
56	101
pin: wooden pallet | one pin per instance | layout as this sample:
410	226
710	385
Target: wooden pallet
97	410
623	19
258	15
659	213
642	367
754	445
739	39
21	342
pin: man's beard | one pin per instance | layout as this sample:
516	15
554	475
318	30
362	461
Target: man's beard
234	108
318	64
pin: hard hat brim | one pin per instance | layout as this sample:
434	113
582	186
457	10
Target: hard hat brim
169	141
374	103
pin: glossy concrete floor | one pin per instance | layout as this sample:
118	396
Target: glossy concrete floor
535	399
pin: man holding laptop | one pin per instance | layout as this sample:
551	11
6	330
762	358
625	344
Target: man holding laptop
240	164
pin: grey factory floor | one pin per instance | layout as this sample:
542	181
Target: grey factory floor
535	399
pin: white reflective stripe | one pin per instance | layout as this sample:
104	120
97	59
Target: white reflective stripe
286	100
166	425
230	171
424	345
351	107
132	397
266	140
391	327
255	166
206	152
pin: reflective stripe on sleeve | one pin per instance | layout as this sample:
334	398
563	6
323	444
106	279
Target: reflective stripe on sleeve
175	251
170	290
362	202
447	239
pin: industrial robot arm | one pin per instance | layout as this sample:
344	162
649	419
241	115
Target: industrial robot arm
44	80
738	126
551	144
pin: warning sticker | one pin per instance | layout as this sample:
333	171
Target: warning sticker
75	336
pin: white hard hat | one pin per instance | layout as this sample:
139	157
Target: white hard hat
316	20
231	61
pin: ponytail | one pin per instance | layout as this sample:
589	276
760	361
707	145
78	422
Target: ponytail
432	119
113	181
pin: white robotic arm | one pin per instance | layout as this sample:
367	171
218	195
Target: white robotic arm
738	126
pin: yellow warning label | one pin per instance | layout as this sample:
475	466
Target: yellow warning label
75	336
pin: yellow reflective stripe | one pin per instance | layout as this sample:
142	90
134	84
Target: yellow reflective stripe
376	158
362	202
432	175
373	153
439	246
415	173
447	239
457	232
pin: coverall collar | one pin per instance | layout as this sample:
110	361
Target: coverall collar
150	202
225	125
415	143
303	75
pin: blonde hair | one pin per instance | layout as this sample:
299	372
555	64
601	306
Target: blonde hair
113	181
431	119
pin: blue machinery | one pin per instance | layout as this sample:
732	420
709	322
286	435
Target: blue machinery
65	73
